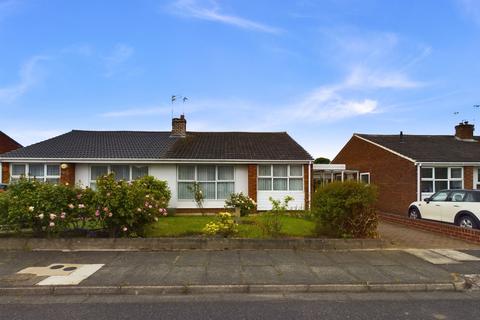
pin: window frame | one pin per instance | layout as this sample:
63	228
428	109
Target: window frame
364	174
43	178
449	178
288	177
109	170
216	180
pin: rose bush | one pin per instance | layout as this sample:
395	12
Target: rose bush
122	208
240	201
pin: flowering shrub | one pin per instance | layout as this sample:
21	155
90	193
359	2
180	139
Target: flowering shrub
37	206
223	225
120	207
126	208
240	201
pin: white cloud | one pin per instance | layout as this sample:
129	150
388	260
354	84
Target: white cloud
28	78
119	55
363	77
191	8
346	99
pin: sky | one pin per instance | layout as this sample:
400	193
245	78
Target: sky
319	69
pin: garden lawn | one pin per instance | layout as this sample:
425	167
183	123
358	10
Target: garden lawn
183	226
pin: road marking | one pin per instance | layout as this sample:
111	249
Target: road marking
77	276
430	256
456	255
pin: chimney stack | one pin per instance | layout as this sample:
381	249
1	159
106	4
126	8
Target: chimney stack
464	131
179	127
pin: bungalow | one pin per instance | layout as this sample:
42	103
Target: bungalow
260	164
409	168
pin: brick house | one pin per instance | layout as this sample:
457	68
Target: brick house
7	144
260	164
406	168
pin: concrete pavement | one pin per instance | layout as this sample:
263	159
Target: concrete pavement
232	271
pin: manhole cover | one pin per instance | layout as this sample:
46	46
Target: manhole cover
57	266
69	268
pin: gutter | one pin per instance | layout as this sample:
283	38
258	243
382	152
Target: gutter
152	161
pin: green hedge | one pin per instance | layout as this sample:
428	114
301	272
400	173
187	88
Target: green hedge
346	209
118	208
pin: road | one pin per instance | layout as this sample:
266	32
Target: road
370	306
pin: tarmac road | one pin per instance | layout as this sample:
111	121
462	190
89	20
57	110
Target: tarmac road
446	305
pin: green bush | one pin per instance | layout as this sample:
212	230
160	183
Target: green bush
122	208
240	201
224	225
125	208
346	209
270	221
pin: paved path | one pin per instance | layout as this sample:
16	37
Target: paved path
233	267
405	237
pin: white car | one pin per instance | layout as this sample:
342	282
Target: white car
460	207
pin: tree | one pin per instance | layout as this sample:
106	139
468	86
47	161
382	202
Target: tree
321	160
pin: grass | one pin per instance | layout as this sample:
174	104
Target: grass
181	226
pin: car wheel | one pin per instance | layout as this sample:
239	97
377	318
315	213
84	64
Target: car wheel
467	222
414	213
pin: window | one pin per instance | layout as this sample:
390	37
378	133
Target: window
365	177
122	172
473	197
39	171
216	182
280	177
440	196
440	178
457	196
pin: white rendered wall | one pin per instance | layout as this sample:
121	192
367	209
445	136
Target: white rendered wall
263	202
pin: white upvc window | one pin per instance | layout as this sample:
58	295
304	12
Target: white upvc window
280	177
39	171
217	182
125	172
434	179
477	178
365	177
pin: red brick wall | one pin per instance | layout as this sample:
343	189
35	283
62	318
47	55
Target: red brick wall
307	172
7	143
252	181
468	177
5	172
67	175
395	177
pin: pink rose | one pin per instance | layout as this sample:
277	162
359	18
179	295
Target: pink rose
125	229
97	213
52	224
105	209
81	206
63	215
71	206
110	214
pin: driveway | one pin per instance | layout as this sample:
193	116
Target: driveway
405	237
